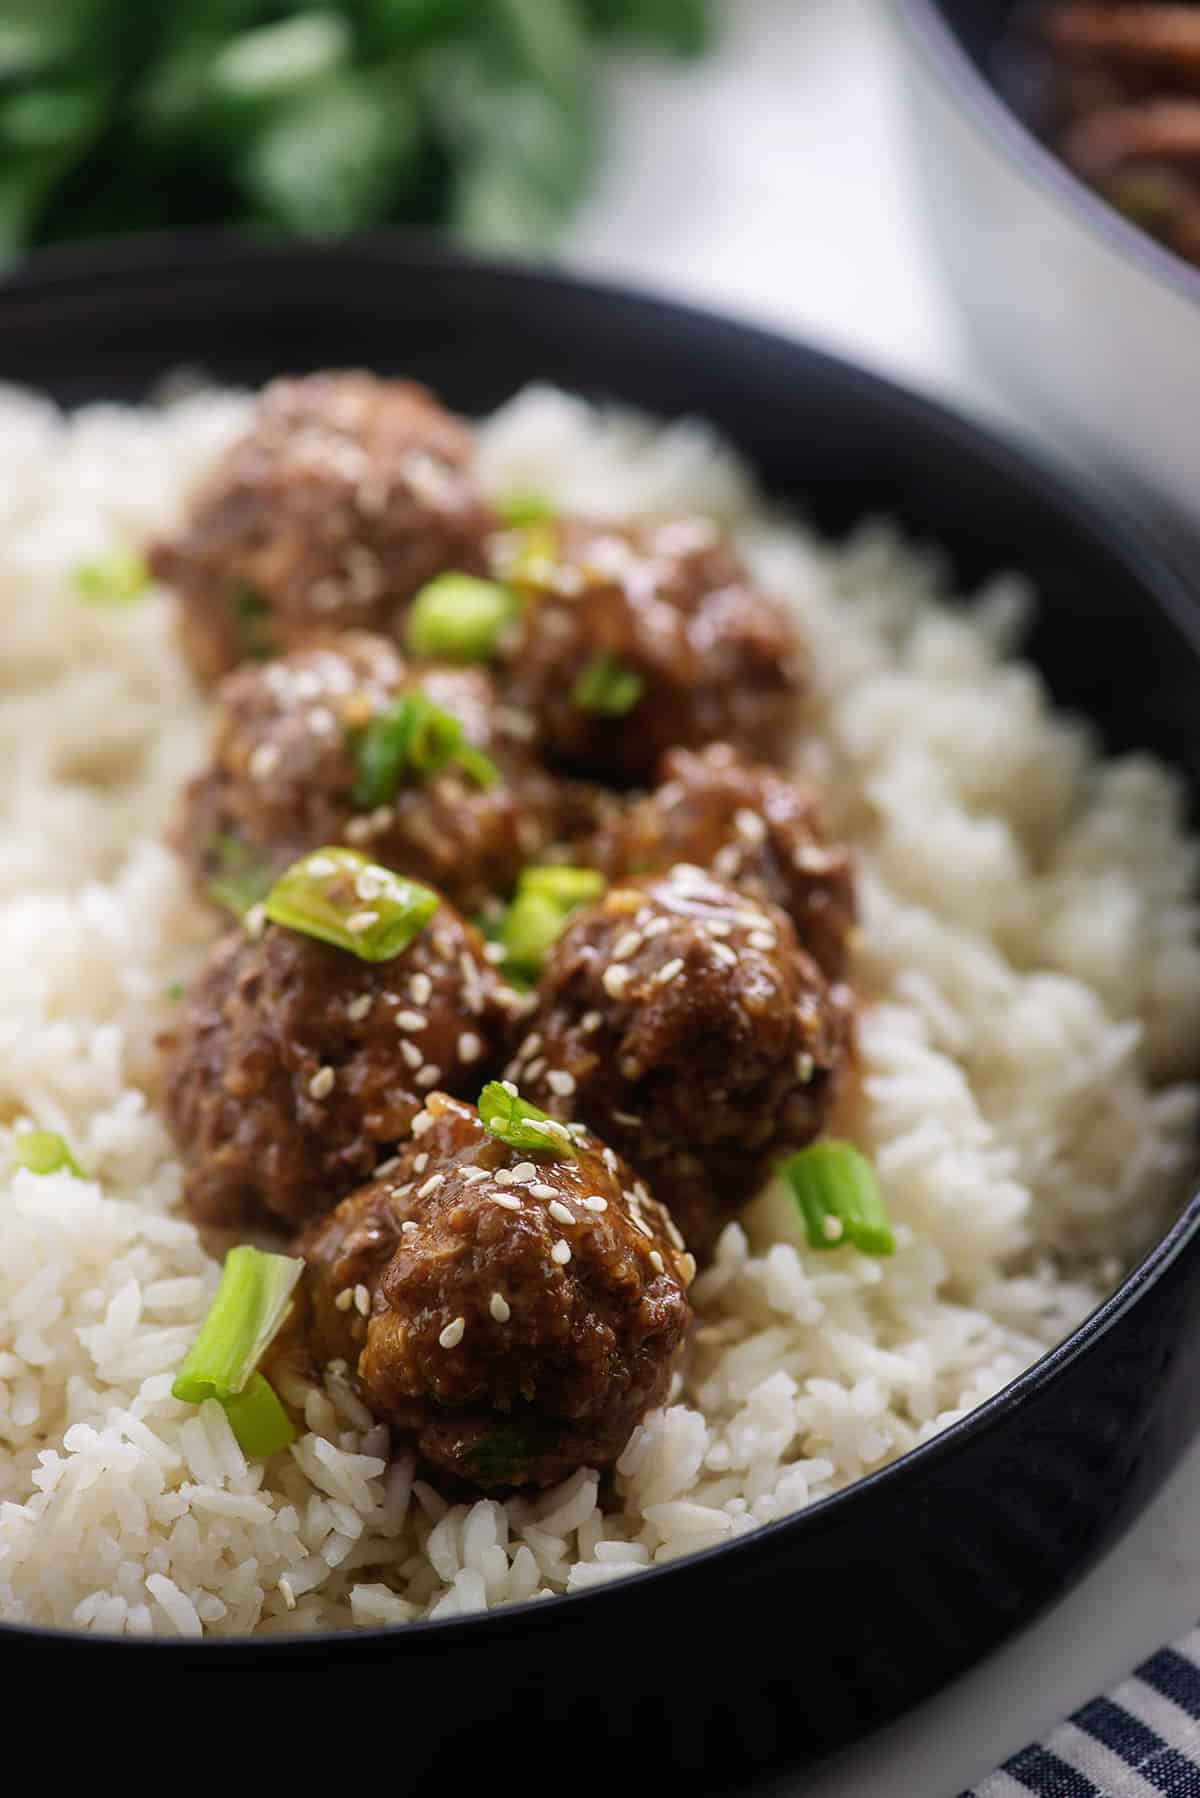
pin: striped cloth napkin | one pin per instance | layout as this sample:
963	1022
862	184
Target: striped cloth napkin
1143	1741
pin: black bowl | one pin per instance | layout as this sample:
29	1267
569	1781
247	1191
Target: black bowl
1089	323
747	1658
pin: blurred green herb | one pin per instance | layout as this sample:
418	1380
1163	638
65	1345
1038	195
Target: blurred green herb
295	116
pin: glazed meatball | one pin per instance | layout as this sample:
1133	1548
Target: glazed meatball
682	1021
284	776
634	640
296	1067
346	495
511	1314
753	827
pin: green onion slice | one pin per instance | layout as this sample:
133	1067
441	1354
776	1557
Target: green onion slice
838	1197
251	1304
339	897
248	614
607	687
513	1120
117	580
257	1418
413	739
45	1152
460	618
520	510
537	917
242	877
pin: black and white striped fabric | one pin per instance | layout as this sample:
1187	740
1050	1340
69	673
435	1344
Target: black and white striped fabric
1142	1741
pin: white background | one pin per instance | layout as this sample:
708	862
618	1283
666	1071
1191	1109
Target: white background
773	182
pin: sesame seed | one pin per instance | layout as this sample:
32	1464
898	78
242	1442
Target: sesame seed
510	1088
590	1021
452	1335
656	927
411	1054
804	1066
524	1170
594	1202
372	883
639	1223
429	1075
672	1229
421	1123
421	989
626	945
321	1084
503	1176
469	1046
725	955
499	1308
561	1252
431	1185
506	1199
255	920
321	865
728	861
656	1262
362	1300
560	1082
411	1020
264	760
289	1597
609	1158
718	927
687	1267
421	1162
402	1192
749	825
408	1227
630	1119
536	1069
358	1008
473	1175
359	922
387	1167
561	1213
344	1299
762	939
540	1190
615	980
530	1046
321	721
832	1228
669	971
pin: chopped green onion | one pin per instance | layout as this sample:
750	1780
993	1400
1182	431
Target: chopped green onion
251	1304
515	1121
567	887
460	618
413	737
242	878
496	1460
45	1152
537	917
117	580
173	992
607	687
248	611
521	509
838	1196
339	897
257	1418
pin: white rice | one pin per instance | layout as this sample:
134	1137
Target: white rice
1030	939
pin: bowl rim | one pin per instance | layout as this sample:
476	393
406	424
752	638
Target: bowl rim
932	36
1110	527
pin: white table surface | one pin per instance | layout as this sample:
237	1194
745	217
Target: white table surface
774	183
